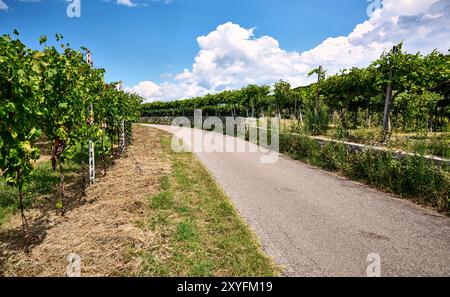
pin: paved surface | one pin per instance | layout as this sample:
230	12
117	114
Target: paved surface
315	223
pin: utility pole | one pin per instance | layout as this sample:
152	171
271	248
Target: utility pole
91	142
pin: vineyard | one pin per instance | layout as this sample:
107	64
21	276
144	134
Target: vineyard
400	102
398	91
55	97
76	179
220	147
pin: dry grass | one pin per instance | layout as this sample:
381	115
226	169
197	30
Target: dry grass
199	231
156	213
102	228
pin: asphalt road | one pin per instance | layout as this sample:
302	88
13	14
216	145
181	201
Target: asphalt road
315	223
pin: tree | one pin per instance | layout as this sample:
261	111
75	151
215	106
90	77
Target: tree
282	94
398	72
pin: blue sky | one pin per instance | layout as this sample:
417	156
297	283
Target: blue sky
154	46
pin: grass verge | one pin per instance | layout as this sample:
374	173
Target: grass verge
199	231
410	177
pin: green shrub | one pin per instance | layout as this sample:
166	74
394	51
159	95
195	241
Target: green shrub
410	176
334	157
316	124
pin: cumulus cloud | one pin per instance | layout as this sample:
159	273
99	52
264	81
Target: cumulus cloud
166	91
231	56
3	5
146	89
126	3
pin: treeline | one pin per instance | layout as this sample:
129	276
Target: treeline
399	90
57	93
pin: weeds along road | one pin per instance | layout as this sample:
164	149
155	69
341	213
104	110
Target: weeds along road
315	223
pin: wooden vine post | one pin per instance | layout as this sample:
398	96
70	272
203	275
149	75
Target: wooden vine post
316	107
388	101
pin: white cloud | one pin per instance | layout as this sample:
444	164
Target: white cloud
166	91
231	56
133	3
145	89
3	5
126	3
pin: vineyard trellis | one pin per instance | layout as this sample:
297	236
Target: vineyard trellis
397	90
58	93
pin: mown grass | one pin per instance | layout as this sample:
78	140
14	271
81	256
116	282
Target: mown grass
201	233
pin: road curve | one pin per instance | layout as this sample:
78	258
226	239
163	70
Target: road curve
315	223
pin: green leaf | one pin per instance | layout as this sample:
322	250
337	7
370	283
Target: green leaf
36	67
59	204
10	107
32	133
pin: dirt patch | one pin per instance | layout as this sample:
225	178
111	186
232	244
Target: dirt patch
103	229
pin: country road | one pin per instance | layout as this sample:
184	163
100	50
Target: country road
315	223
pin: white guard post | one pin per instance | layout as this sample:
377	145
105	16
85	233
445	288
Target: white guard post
91	143
122	126
91	162
122	137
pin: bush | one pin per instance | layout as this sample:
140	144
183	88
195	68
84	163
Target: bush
316	125
414	177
